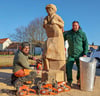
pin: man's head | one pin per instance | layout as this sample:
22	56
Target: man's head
51	9
25	47
75	26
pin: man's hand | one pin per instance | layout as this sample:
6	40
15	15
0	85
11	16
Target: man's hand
33	58
84	55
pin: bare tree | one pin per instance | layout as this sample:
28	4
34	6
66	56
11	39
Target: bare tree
32	33
19	35
36	30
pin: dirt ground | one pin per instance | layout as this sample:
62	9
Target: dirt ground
6	89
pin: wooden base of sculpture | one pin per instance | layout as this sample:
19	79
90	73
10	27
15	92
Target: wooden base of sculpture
50	64
52	74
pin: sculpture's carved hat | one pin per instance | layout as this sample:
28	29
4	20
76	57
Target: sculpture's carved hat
51	6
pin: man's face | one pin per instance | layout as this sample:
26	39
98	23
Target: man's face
75	26
50	11
26	50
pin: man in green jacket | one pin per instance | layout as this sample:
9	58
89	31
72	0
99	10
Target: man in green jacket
21	66
78	46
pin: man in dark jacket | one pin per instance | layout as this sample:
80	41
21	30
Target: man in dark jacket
78	46
21	66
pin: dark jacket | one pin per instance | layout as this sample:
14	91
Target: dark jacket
78	44
20	61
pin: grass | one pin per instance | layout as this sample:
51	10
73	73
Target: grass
7	60
6	55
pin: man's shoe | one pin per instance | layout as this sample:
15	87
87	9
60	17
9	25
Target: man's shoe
78	83
13	79
69	84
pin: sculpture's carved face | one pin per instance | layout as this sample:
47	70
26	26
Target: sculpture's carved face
50	11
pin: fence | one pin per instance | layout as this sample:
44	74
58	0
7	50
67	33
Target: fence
7	53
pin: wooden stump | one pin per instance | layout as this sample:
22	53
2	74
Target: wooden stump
52	74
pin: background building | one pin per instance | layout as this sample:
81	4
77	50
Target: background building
4	43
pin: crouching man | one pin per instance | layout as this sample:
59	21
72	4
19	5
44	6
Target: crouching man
22	72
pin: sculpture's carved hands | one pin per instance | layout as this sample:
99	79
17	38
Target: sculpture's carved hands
57	22
53	21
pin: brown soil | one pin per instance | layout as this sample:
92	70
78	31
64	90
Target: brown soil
6	89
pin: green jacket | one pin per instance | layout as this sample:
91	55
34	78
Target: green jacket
78	44
20	62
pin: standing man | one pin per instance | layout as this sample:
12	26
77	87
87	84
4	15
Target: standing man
78	46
